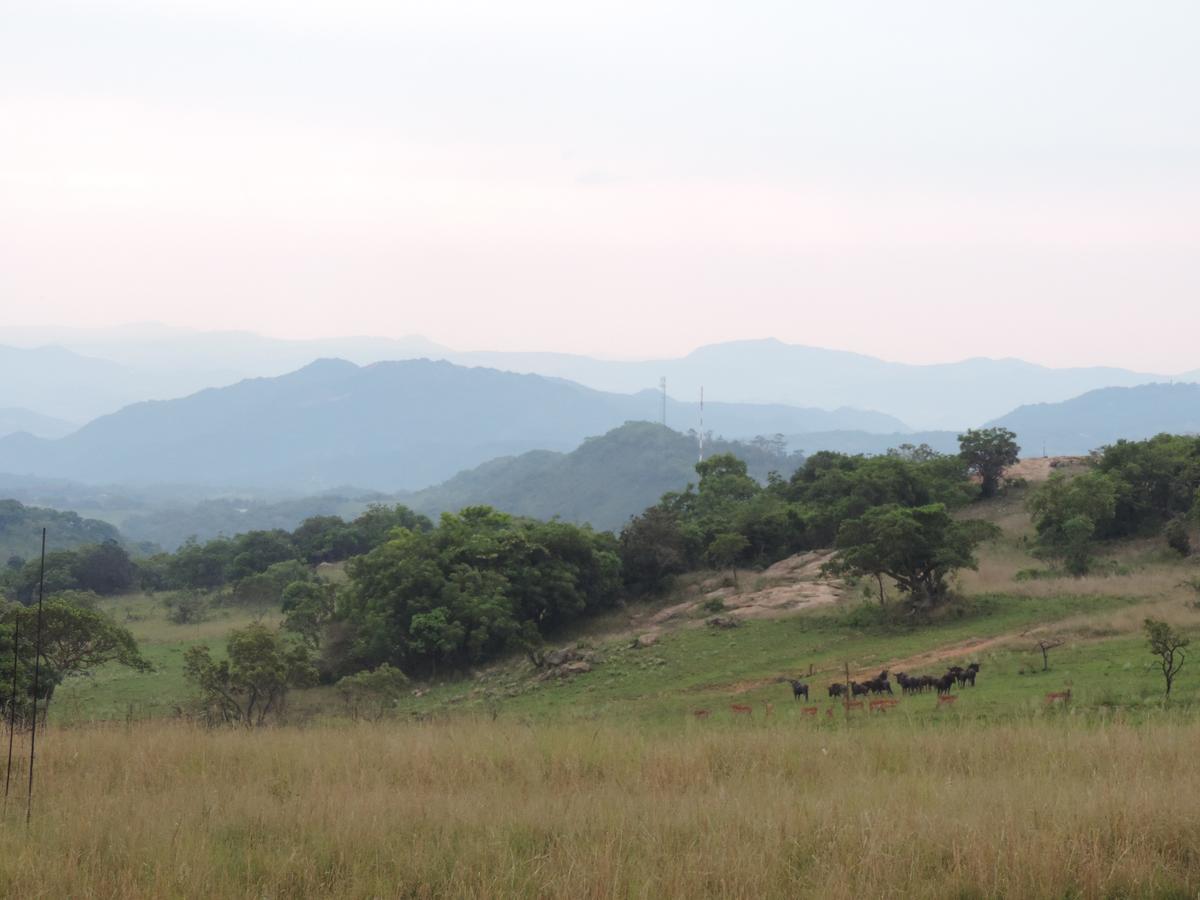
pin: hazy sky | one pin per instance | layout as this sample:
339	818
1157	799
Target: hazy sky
918	180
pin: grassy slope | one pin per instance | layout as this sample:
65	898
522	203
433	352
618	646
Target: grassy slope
1104	661
114	692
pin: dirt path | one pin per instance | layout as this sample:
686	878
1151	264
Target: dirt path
950	651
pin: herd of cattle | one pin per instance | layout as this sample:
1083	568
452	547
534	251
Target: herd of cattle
909	684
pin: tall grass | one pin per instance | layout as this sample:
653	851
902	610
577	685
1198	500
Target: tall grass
482	809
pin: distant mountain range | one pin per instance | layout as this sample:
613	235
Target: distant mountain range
1102	417
387	426
157	362
59	384
13	421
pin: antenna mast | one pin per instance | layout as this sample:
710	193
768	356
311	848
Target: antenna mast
701	423
662	383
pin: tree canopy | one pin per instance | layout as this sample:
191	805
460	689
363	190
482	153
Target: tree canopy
988	452
917	547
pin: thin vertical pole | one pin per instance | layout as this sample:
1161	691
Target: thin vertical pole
12	705
37	660
849	692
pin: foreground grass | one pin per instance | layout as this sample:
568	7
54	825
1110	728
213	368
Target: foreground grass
488	809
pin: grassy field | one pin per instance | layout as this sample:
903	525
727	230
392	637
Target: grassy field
479	809
117	693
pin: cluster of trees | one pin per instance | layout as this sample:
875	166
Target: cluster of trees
887	515
479	583
1134	488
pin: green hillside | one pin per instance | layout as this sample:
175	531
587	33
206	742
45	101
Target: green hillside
603	482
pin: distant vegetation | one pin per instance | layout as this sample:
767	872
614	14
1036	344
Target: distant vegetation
21	531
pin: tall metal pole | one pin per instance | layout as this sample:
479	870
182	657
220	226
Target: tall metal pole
12	706
37	660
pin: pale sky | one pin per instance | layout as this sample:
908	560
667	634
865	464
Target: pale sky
922	181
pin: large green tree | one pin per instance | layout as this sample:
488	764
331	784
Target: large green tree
988	452
1069	513
919	548
479	583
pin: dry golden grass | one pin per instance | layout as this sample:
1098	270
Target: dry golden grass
483	809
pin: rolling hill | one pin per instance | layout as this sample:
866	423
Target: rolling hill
21	530
603	482
387	426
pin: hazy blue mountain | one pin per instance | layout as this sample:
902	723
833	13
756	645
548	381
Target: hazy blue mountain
171	362
159	362
946	396
387	426
13	420
58	383
603	482
1097	418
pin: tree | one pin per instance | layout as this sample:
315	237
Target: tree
308	607
256	551
652	549
725	550
918	548
76	640
373	690
1068	513
988	452
104	568
1046	646
1167	644
253	682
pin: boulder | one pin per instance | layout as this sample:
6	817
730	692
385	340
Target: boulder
646	640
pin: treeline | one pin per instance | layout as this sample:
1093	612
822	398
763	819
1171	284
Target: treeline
1133	489
255	566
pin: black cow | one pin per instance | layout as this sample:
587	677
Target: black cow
799	689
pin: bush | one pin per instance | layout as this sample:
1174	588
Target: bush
1177	536
187	608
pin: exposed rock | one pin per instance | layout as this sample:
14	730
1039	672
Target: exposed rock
558	657
646	640
722	622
